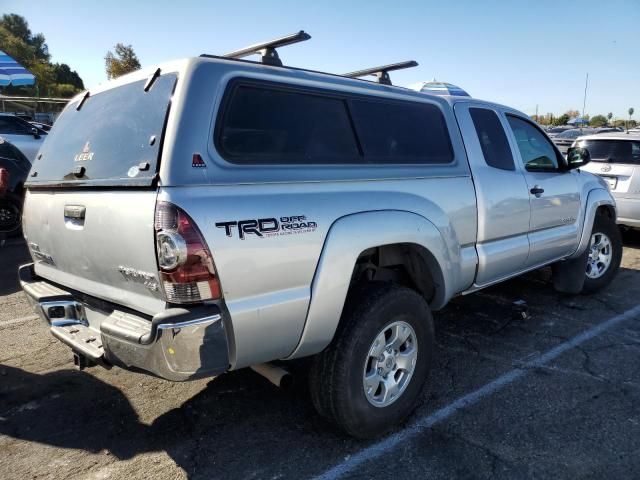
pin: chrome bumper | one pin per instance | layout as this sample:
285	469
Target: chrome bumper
177	344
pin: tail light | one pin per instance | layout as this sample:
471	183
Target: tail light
4	181
185	264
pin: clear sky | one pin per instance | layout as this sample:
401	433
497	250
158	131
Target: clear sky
519	53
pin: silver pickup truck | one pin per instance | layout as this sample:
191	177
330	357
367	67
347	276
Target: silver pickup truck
213	213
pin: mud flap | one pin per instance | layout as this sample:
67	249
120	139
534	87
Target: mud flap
569	275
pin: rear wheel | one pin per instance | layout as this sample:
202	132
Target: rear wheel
370	378
604	254
10	215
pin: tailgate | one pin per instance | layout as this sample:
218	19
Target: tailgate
619	178
97	242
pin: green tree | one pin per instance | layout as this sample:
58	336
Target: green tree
124	60
598	121
630	114
64	75
609	117
562	119
18	27
31	51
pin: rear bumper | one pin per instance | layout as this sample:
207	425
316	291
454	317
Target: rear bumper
628	211
177	344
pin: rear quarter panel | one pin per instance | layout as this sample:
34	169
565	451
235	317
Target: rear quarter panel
267	280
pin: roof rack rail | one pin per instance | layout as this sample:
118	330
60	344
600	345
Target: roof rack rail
268	49
382	72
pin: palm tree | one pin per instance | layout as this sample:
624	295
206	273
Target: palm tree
609	117
630	113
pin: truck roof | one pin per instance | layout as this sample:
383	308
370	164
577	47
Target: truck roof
184	65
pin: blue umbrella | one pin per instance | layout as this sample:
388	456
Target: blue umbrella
12	73
440	88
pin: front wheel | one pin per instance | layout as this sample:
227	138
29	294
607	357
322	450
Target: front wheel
603	254
370	378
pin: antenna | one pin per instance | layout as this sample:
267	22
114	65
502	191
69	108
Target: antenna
268	49
382	72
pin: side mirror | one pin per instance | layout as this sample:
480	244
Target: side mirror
577	157
35	132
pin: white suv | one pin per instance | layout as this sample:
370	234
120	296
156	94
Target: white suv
616	158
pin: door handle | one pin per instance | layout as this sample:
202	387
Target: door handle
75	212
537	190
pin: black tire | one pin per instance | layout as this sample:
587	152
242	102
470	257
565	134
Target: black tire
10	215
607	226
336	374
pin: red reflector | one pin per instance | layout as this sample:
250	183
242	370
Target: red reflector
197	161
4	180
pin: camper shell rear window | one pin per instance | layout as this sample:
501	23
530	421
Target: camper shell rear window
112	138
270	123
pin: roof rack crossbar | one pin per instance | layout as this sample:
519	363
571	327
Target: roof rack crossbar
268	49
382	72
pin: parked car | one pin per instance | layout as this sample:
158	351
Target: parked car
16	167
317	216
555	131
24	136
600	130
41	126
616	158
565	139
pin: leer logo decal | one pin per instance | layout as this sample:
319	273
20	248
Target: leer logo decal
85	155
269	227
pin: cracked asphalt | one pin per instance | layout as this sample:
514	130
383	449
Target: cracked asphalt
577	416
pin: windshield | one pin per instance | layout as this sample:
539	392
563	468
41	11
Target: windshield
614	151
112	140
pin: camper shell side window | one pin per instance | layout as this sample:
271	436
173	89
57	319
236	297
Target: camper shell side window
268	123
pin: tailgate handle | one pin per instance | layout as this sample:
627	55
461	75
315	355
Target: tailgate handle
75	212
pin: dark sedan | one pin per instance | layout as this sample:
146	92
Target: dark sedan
565	139
16	168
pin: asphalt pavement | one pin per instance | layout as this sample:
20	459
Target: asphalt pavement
553	395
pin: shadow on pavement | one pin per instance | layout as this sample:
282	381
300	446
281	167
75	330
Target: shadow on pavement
75	410
12	254
631	238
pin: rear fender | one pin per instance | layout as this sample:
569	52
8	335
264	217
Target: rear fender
348	237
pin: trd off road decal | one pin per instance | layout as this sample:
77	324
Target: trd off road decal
269	227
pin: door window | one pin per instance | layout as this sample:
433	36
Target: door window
537	152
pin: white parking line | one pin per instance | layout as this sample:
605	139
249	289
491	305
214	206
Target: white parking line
6	323
384	446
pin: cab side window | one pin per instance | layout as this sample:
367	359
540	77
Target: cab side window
537	152
493	140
